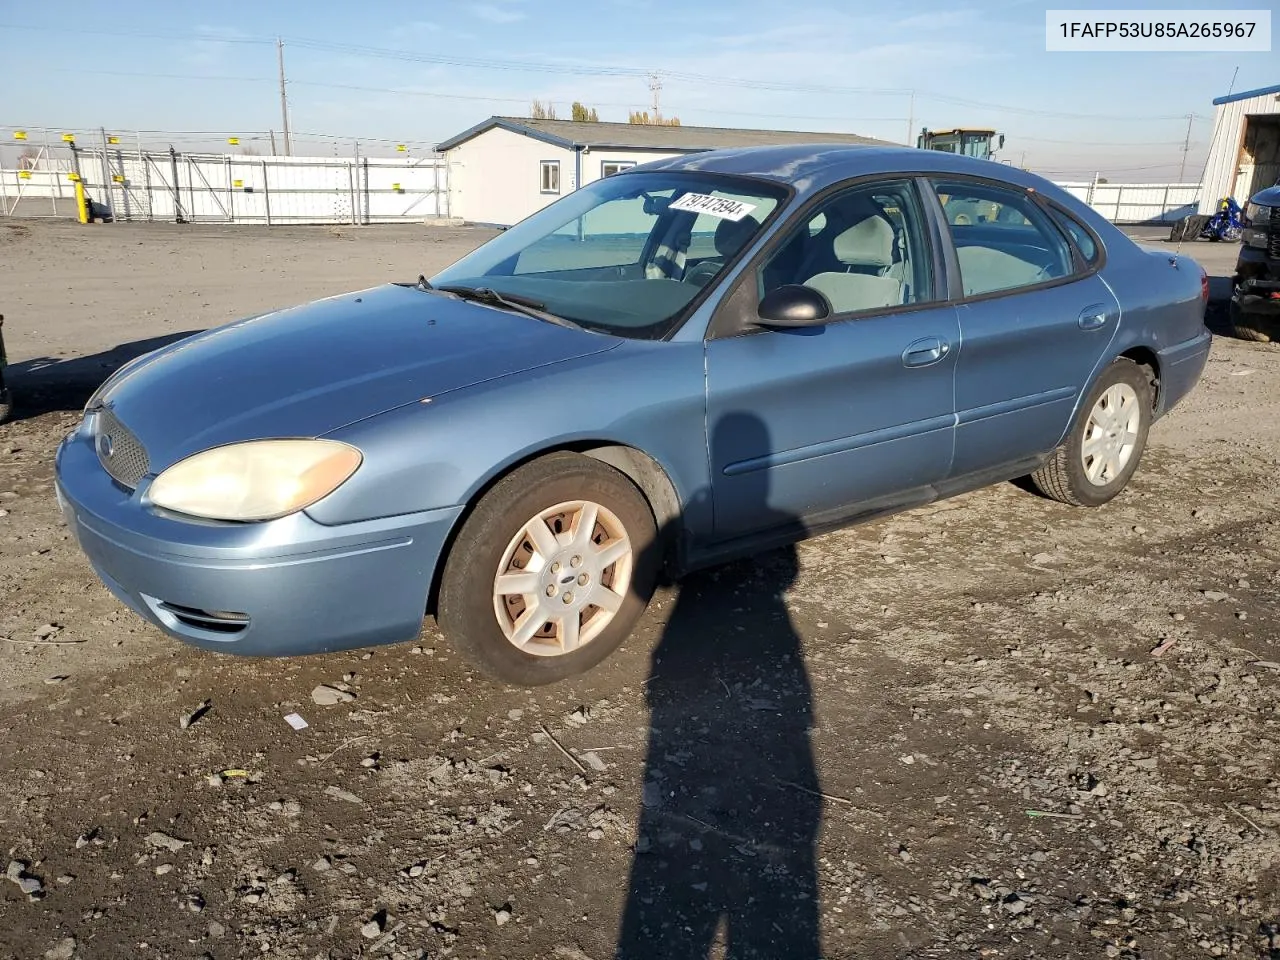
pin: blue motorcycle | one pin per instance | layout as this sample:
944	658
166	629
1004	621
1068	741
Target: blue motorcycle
1225	224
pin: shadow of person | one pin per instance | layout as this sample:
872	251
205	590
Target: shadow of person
725	858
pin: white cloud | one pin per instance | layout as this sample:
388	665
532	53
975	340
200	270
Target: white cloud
495	13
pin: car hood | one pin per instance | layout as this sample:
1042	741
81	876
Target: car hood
308	370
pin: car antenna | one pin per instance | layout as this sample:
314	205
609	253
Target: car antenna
422	282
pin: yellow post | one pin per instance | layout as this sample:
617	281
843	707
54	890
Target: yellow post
82	204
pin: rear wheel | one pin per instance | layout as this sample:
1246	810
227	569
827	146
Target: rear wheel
550	572
1106	441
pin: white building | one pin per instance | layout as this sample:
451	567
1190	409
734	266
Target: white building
506	168
1244	154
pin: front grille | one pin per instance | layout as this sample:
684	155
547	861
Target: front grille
121	453
1273	234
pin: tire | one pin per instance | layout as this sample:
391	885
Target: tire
1258	334
498	536
1257	329
1064	477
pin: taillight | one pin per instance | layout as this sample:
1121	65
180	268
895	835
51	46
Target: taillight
1204	285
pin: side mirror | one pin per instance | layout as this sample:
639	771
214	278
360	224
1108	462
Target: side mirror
793	305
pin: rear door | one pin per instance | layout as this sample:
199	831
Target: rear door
1035	319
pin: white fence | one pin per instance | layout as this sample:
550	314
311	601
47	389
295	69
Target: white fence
224	188
1138	203
221	188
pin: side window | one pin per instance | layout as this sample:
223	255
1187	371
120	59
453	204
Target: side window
1083	239
609	167
550	176
1003	239
864	249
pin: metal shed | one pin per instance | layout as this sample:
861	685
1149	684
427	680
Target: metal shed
1244	154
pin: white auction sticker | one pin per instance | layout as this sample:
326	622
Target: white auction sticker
1183	31
721	207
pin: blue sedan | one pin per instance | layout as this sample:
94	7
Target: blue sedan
693	360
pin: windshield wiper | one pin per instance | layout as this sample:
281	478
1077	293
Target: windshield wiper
525	305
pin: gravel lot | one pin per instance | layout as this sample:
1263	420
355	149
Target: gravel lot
997	726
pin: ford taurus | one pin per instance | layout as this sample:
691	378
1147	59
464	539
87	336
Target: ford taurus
692	360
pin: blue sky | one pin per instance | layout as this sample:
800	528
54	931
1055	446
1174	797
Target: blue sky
829	66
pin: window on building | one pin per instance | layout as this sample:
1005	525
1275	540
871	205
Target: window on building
550	176
1003	239
609	167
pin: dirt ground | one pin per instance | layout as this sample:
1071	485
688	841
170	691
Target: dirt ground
995	727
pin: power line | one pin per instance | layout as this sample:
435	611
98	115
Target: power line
401	91
133	35
1106	143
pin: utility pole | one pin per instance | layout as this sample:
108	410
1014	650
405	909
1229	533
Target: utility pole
284	99
655	87
911	118
1186	146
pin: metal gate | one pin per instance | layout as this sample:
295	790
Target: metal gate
225	188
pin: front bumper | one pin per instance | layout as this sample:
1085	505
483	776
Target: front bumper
281	588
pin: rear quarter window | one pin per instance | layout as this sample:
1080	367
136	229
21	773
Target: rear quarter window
1082	238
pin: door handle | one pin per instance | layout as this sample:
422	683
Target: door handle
1093	317
926	351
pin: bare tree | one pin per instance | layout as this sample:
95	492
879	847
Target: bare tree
642	116
543	111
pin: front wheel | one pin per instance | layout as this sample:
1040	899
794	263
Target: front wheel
551	571
1106	441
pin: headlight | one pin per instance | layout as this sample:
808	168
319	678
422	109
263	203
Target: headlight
258	480
1256	211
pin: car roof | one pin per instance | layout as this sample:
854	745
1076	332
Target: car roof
813	166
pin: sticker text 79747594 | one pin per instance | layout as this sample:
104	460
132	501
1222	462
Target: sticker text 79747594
721	207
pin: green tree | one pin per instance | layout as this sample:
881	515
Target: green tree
583	113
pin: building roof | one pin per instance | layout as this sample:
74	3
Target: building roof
1246	95
647	136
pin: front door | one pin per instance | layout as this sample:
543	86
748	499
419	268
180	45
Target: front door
806	425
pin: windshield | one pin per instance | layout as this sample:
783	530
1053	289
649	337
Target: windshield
625	254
